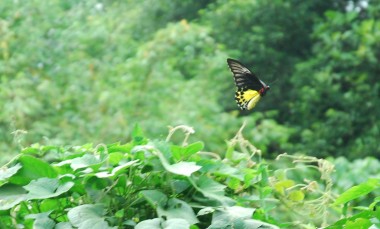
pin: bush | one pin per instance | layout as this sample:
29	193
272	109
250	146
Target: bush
159	184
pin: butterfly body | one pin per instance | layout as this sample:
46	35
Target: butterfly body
250	88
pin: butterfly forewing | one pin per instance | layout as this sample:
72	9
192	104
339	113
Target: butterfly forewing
243	77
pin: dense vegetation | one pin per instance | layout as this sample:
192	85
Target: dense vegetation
159	184
77	72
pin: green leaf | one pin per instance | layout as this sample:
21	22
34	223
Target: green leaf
369	214
117	170
176	208
11	195
155	198
63	225
115	158
359	223
138	136
179	185
149	224
233	184
87	160
158	223
49	204
32	169
358	191
117	148
251	223
206	211
193	148
229	171
176	224
8	172
181	168
44	188
282	185
296	196
88	216
184	152
212	189
42	220
239	212
238	218
119	214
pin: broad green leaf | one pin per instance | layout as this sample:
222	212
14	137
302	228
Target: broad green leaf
41	220
238	218
158	223
87	160
120	213
184	152
359	223
181	168
193	148
115	158
155	198
229	171
31	150
280	174
8	172
233	183
205	211
149	224
117	170
11	195
177	152
44	188
176	224
251	224
176	208
358	191
32	169
282	185
212	189
239	212
296	196
63	225
116	148
369	214
374	203
138	136
49	204
88	216
179	185
95	224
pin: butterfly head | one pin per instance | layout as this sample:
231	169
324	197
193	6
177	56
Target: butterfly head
264	90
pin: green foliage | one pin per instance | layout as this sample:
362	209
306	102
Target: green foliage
80	71
73	72
123	185
160	184
341	88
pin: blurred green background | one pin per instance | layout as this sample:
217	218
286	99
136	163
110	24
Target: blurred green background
73	72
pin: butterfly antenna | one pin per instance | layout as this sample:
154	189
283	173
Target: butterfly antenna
275	81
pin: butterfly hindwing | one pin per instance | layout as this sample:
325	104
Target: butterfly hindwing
247	99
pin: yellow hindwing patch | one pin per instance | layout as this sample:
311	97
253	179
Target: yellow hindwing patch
247	99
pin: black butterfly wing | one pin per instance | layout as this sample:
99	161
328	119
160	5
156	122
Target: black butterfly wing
244	78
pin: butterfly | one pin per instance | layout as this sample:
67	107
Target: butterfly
250	88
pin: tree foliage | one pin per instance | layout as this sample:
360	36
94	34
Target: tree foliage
87	71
